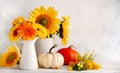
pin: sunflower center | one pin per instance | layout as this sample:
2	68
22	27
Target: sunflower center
61	31
11	57
43	20
15	33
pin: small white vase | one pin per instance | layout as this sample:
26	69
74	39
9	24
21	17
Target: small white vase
43	45
28	57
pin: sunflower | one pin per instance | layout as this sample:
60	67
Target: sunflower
9	58
18	21
41	32
28	31
46	18
15	34
64	29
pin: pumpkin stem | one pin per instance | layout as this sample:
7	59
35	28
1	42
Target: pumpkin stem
52	48
72	46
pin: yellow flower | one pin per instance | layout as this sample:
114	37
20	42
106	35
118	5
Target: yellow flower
15	34
80	64
9	58
70	68
95	66
41	32
64	30
88	64
46	18
18	21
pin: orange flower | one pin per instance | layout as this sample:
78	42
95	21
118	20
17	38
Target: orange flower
71	64
28	31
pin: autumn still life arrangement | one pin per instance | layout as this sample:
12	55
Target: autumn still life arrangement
43	23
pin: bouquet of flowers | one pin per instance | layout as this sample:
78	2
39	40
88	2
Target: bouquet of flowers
26	30
42	23
86	63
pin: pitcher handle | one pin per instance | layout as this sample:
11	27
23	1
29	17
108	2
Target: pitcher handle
17	48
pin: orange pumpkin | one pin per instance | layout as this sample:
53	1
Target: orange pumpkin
70	54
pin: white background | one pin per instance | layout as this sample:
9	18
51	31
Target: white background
94	24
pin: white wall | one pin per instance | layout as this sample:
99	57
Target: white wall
94	23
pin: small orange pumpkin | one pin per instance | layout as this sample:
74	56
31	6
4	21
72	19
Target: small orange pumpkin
70	54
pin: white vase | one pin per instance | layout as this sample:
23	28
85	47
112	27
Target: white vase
28	57
43	45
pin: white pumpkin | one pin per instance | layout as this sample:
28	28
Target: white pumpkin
50	60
